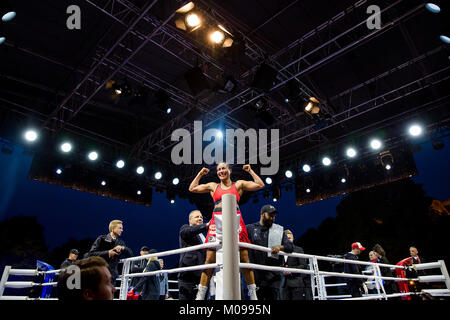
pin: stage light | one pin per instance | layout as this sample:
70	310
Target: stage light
351	152
274	199
139	192
103	183
2	39
192	20
66	147
343	180
31	135
219	134
120	164
306	168
158	175
388	167
6	11
312	106
387	160
434	8
326	161
268	180
308	190
8	16
445	39
58	171
217	36
286	100
288	174
375	144
93	155
172	201
140	170
175	181
415	130
169	110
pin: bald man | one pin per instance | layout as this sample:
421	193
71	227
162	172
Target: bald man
191	235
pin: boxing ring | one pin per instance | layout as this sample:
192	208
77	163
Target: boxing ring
228	280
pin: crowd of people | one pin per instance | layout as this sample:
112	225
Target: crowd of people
101	262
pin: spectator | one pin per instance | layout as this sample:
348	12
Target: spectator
73	255
354	285
268	234
389	285
111	247
163	283
139	265
292	284
191	235
95	281
148	286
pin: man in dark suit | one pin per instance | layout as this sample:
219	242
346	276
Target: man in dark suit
191	235
293	284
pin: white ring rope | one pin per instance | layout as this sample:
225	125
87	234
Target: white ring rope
176	270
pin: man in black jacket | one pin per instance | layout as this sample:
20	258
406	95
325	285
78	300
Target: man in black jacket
73	255
191	235
293	284
266	233
111	248
354	285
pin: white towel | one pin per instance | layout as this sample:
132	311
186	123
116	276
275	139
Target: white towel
275	238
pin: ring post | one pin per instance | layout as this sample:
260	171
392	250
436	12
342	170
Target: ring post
231	278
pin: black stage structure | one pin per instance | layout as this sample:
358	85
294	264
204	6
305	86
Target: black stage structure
107	84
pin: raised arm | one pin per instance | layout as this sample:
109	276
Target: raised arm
254	185
195	187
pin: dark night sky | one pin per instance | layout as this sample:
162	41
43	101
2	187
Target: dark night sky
69	213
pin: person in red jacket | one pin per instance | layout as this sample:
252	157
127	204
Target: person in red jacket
216	190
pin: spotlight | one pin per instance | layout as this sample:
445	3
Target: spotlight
312	106
140	170
7	12
31	135
326	161
2	39
172	201
120	164
387	160
158	175
308	190
351	152
103	183
93	156
192	20
139	192
445	39
286	100
175	181
219	134
217	37
388	167
58	171
288	174
169	110
375	144
432	7
306	168
415	130
186	8
343	180
66	147
274	199
268	180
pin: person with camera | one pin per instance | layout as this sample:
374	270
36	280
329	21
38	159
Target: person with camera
111	247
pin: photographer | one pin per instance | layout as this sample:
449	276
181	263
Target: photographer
111	248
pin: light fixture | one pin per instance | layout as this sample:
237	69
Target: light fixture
6	11
219	134
217	37
66	147
175	181
169	110
434	8
415	130
139	192
186	8
58	171
2	40
268	180
312	106
375	144
274	199
140	170
288	174
308	190
31	135
444	39
306	168
192	20
120	164
343	180
387	160
103	183
172	201
326	161
93	155
351	152
158	175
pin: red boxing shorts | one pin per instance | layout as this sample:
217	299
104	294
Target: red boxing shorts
212	232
